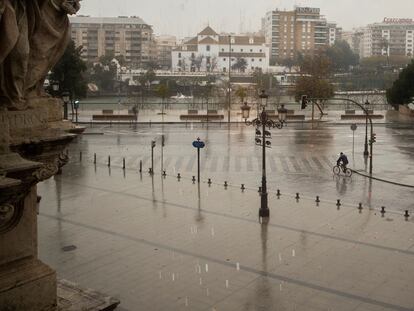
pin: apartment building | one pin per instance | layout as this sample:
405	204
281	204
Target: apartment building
391	37
355	40
213	52
165	44
302	30
127	36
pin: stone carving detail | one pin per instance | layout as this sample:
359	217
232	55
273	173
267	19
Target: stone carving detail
34	35
52	168
10	215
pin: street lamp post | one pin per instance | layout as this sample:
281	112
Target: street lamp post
229	89
366	153
263	139
76	104
66	100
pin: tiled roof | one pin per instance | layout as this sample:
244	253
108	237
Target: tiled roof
236	55
192	41
208	31
242	40
208	40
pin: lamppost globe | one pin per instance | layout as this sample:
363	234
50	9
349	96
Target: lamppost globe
263	98
55	86
245	111
282	113
65	97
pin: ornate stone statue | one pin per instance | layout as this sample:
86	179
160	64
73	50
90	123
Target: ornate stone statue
14	53
48	41
34	35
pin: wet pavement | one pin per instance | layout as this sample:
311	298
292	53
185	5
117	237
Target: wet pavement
300	159
167	244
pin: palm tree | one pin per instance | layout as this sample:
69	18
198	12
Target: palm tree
241	92
163	90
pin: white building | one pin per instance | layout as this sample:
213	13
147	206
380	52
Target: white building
211	52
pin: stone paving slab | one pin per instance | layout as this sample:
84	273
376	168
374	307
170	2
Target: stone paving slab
160	244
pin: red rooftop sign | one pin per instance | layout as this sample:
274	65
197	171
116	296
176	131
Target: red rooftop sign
398	20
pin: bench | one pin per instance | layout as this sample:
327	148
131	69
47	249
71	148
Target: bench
289	117
360	116
107	111
201	117
114	117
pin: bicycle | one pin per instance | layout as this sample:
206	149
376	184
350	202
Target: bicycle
338	168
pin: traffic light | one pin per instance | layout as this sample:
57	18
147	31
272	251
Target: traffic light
304	101
373	138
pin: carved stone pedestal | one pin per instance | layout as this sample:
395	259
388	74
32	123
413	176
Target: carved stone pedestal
30	152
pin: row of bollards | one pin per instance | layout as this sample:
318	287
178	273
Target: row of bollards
226	184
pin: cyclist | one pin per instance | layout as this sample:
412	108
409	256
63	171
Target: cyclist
342	161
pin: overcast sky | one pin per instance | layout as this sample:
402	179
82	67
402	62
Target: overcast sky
187	17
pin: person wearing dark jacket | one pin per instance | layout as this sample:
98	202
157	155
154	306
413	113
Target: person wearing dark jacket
343	159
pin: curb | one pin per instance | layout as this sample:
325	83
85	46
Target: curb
383	180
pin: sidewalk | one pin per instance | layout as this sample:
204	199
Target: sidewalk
157	245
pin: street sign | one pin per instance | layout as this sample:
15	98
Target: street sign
198	143
354	127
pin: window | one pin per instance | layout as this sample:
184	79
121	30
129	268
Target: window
222	50
179	55
224	59
252	59
260	50
261	59
207	48
251	50
241	50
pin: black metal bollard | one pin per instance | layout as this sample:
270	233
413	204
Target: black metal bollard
209	182
94	158
297	196
360	207
382	210
178	176
109	161
164	173
318	200
243	187
80	156
123	163
225	184
406	214
278	193
338	203
140	166
193	179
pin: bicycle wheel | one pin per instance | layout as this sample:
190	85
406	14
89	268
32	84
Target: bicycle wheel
336	170
348	172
